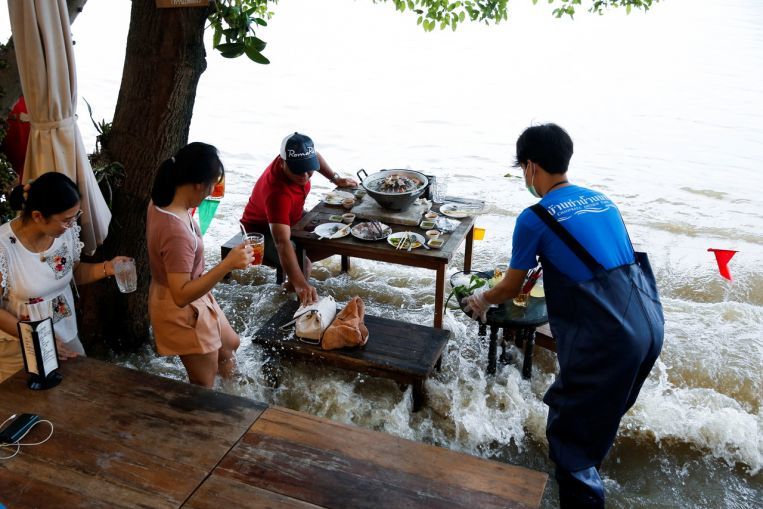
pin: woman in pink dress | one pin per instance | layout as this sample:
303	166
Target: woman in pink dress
185	317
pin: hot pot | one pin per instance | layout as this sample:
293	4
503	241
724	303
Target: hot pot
393	200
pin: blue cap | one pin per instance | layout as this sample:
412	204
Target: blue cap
298	151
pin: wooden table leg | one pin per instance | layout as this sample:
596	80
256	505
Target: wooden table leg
527	364
345	263
492	350
419	395
468	251
439	296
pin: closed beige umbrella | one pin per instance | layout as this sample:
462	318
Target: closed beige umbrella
48	75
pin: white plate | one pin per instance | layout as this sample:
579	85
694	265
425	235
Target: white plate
336	197
361	231
458	210
329	229
395	238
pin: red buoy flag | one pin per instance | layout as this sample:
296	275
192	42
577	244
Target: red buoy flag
723	256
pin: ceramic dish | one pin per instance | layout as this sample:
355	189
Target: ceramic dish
435	243
337	218
336	197
415	239
426	225
458	210
367	231
327	230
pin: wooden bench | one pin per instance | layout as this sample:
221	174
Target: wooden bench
404	352
238	239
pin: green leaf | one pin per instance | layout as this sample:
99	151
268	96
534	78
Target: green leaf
256	56
261	22
231	49
254	42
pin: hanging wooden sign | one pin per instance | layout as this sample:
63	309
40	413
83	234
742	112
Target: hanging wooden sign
163	4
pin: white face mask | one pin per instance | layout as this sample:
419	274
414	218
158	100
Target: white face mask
531	186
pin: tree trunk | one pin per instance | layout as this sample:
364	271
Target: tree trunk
10	82
164	60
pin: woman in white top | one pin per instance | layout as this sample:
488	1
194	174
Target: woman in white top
39	257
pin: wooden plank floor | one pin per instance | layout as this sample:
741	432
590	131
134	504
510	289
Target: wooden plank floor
308	461
124	438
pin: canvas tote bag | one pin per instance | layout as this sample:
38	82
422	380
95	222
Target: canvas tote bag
311	321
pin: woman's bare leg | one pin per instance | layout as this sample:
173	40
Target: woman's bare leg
201	368
226	359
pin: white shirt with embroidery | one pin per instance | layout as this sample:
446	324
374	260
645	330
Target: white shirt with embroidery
40	277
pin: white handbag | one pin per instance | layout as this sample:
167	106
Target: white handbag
311	321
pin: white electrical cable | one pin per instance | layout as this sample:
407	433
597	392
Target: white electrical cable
18	443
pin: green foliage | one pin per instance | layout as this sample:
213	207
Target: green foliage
233	23
109	174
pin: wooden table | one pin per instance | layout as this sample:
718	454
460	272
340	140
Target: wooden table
122	438
128	439
407	353
349	246
291	459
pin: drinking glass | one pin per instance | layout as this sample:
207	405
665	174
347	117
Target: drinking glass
257	242
439	190
521	300
500	271
126	276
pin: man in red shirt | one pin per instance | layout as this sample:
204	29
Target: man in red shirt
277	203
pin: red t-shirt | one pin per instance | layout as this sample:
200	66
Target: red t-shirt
275	199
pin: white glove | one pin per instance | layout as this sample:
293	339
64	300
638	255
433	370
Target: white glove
476	305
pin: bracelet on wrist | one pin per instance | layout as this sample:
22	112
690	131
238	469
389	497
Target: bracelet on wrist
105	274
334	177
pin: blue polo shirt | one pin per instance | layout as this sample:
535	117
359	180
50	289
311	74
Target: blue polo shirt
591	217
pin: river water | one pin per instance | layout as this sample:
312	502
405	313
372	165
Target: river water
666	111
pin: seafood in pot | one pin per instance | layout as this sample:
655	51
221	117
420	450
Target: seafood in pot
397	183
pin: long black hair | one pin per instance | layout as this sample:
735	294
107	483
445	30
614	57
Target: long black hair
196	163
50	193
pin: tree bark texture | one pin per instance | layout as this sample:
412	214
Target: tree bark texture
164	60
10	82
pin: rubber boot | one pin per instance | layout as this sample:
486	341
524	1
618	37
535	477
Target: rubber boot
580	489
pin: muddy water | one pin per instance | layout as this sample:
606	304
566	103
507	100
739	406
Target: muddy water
666	111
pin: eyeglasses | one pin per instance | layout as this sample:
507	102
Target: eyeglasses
68	223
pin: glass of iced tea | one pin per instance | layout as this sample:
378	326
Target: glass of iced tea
257	242
521	300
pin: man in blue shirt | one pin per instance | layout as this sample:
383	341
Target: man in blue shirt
603	309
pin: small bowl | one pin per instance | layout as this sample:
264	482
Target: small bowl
348	218
359	194
427	225
335	219
435	243
348	203
430	215
433	234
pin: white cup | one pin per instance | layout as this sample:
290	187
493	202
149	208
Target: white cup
126	276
